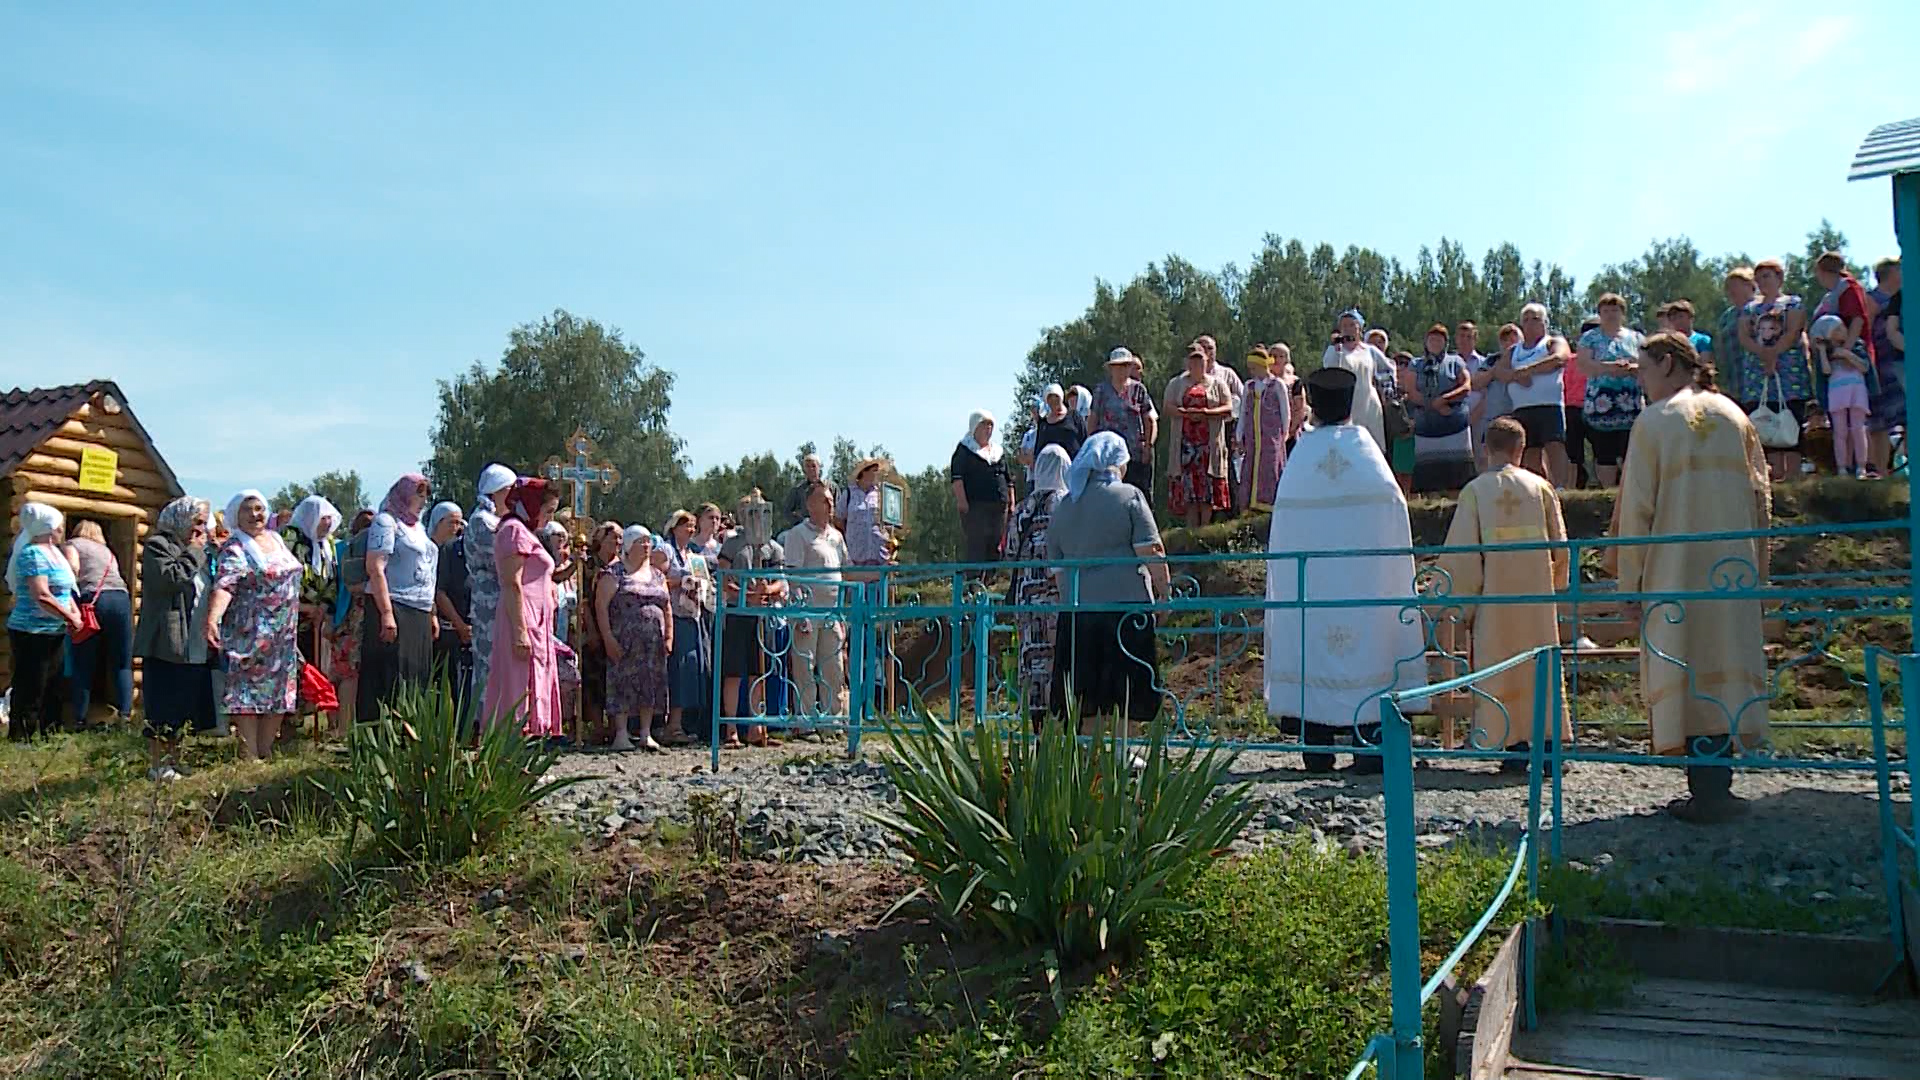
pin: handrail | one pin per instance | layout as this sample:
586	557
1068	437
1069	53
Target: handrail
1486	919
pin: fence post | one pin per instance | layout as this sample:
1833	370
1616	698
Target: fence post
955	639
719	707
1543	693
1403	895
859	642
982	637
1910	720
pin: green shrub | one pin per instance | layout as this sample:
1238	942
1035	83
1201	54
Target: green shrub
423	795
1054	841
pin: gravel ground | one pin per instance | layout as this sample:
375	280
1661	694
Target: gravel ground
1813	836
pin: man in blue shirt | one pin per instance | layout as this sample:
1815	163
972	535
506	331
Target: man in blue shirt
1679	316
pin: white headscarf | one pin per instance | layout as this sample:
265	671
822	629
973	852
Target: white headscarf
1050	470
493	480
1104	453
439	514
631	535
307	518
1082	402
37	521
261	559
989	453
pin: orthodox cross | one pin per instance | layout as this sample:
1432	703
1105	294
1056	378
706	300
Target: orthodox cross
579	470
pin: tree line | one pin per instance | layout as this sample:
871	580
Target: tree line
565	371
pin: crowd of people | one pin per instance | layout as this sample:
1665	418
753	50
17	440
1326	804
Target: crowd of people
251	618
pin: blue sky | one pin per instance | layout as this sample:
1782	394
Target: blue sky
277	225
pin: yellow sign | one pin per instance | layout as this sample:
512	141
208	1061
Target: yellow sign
99	469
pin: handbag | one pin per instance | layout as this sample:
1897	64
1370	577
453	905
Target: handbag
1777	428
316	690
89	623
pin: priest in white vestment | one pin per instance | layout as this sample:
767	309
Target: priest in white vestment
1327	667
1370	367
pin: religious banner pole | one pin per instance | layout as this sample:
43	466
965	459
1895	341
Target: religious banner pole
578	469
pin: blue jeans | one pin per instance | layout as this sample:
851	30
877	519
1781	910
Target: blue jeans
111	649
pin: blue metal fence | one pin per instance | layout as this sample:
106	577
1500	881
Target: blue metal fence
946	639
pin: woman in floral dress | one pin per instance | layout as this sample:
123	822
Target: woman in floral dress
349	615
483	574
1608	356
253	618
633	594
1035	585
1773	334
1198	486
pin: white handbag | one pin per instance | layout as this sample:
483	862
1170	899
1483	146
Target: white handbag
1777	428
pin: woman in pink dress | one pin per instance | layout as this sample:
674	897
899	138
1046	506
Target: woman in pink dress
523	672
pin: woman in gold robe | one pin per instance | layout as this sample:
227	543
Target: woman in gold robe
1695	466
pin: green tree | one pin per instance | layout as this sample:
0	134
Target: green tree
558	374
933	519
847	454
343	489
726	485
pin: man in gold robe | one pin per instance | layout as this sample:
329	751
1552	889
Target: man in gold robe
1508	505
1695	466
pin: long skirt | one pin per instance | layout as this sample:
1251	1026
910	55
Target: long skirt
387	666
1105	662
690	668
175	696
983	526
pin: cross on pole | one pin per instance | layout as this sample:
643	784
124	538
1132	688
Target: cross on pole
579	470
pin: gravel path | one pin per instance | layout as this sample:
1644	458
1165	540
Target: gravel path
1813	836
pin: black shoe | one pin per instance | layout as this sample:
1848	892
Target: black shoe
1696	811
1516	766
1318	764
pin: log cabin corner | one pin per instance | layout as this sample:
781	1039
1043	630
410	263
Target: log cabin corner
80	450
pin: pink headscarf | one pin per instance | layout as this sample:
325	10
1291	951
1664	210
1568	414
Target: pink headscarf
399	500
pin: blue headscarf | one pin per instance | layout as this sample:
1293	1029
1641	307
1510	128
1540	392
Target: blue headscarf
1104	453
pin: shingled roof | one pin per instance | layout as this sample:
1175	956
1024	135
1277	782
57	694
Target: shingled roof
30	417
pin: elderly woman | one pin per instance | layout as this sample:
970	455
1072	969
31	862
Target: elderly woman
1438	384
453	607
483	579
1773	333
1058	425
44	612
349	616
1105	653
633	602
98	582
1124	406
981	489
253	620
308	533
1608	355
402	571
690	668
857	515
523	674
171	639
1035	585
603	550
1265	425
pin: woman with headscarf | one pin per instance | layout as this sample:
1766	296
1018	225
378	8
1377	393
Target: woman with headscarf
402	571
981	489
1265	427
1035	585
483	577
253	620
309	535
1105	653
632	599
690	668
171	639
96	571
349	616
44	612
1059	425
452	603
603	550
523	673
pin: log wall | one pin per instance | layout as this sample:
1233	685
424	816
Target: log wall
51	474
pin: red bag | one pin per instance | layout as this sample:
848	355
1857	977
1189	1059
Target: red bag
316	691
89	624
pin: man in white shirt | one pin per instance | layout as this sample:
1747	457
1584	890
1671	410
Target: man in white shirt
817	550
1538	391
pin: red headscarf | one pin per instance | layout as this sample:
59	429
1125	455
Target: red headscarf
399	500
527	499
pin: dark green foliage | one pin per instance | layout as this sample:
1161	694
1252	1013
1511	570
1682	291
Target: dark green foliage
343	489
422	796
1056	842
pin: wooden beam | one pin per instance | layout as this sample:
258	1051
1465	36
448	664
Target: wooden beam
70	466
39	481
117	437
75	504
135	457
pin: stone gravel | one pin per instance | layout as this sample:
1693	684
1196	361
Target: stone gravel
1812	836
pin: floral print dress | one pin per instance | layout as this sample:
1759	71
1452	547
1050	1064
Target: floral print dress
638	616
1613	402
1770	319
1034	585
483	584
259	631
1194	486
